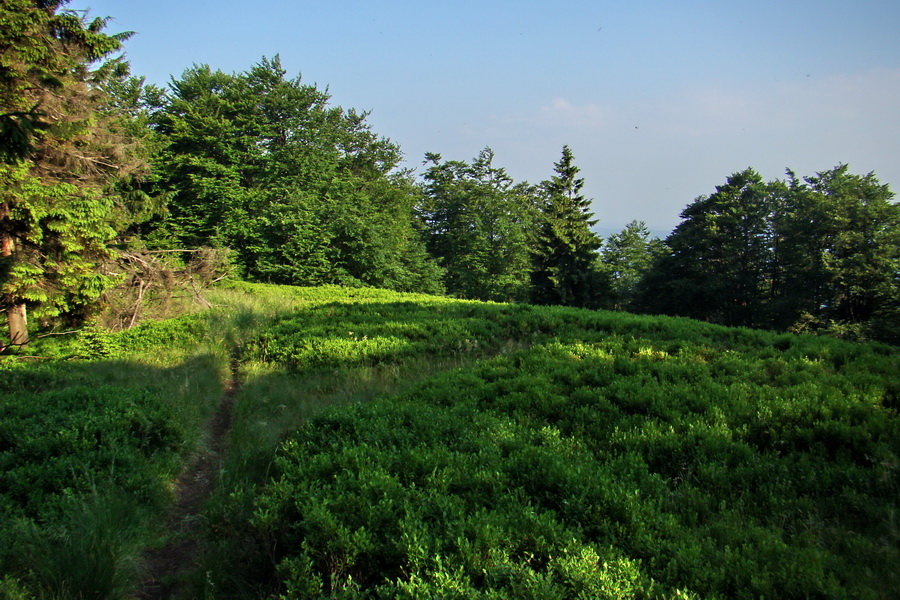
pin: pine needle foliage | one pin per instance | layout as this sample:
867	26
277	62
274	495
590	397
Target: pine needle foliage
564	249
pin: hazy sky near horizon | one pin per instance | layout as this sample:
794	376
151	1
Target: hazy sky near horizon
659	101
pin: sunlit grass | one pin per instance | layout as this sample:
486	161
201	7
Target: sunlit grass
645	414
650	406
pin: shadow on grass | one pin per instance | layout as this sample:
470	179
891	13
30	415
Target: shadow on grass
88	452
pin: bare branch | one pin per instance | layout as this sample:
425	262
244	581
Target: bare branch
43	335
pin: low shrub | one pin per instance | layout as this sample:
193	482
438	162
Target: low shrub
585	454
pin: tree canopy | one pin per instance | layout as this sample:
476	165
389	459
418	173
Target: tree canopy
477	224
626	258
813	253
301	191
66	153
263	168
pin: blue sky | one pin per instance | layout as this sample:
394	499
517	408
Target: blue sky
659	101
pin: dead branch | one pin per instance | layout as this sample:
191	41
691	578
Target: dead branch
137	305
203	301
153	286
43	335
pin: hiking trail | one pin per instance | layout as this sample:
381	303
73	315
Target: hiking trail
166	567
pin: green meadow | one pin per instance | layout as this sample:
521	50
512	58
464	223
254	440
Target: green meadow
388	445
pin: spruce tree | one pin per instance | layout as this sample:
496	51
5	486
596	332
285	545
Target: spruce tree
65	149
564	249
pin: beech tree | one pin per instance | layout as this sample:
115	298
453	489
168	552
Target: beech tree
303	192
814	253
719	261
66	153
477	222
564	249
839	242
626	258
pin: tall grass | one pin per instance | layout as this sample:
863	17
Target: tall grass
94	552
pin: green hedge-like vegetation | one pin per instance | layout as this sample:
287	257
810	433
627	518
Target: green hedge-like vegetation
88	452
582	455
392	445
59	443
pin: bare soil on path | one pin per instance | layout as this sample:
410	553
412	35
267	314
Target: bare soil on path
167	566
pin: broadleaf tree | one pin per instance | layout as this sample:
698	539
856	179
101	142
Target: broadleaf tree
718	268
301	191
477	222
626	257
820	252
840	241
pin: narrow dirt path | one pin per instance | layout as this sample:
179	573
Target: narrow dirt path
167	566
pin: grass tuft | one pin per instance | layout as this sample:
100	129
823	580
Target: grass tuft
93	553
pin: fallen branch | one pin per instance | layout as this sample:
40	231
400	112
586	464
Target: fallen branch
43	335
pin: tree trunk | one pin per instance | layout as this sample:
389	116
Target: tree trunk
16	314
18	324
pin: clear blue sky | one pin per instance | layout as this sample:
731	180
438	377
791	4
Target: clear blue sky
659	101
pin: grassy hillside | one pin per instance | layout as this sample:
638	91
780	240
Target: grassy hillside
391	445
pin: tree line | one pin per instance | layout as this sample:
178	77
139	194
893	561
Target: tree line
96	165
818	252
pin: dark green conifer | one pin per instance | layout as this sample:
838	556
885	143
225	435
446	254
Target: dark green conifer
65	153
564	249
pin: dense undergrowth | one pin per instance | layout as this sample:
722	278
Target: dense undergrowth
401	446
514	451
92	432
